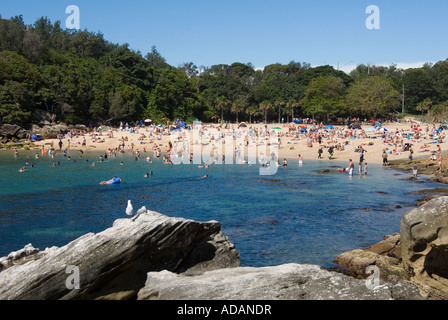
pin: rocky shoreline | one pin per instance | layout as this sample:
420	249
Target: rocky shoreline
154	257
409	261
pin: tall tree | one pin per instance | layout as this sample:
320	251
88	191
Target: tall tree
238	107
265	107
373	96
324	97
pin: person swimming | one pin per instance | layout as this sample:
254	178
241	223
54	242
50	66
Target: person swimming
114	180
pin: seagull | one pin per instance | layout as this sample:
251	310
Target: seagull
139	212
129	209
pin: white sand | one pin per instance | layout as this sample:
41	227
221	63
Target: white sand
290	147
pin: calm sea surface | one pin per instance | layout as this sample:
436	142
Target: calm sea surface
296	215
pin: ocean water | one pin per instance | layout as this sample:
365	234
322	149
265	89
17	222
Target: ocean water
296	215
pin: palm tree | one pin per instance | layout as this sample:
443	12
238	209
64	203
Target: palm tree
291	105
237	107
265	106
222	104
252	111
425	105
279	104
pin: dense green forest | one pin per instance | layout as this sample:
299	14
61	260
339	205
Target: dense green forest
82	78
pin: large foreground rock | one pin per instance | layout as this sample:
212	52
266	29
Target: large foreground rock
424	247
113	264
284	282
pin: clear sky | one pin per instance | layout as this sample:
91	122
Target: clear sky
262	32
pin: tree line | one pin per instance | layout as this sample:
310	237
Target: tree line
82	78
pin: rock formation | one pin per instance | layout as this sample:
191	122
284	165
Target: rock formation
284	282
10	132
153	256
424	246
113	264
419	254
386	255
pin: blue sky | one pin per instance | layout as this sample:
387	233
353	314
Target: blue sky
261	32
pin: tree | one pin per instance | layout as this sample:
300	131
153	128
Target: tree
425	105
265	106
222	104
15	106
251	111
440	111
324	97
127	103
19	80
419	86
237	107
156	60
371	96
439	73
190	69
279	104
291	105
175	97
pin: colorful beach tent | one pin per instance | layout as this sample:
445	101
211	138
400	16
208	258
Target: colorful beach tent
36	137
330	127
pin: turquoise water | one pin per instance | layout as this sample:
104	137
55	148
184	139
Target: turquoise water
297	215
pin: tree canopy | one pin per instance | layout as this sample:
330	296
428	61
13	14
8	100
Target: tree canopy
81	77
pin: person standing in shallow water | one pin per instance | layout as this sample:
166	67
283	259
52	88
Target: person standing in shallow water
384	155
351	167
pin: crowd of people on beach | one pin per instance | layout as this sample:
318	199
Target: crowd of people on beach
314	136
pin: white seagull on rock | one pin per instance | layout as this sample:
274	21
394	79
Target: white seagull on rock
129	209
139	212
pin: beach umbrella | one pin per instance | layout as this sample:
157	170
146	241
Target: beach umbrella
277	128
304	127
370	129
377	124
329	127
243	124
303	130
297	121
148	120
383	129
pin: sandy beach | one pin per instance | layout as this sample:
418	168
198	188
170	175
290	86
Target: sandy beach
346	142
